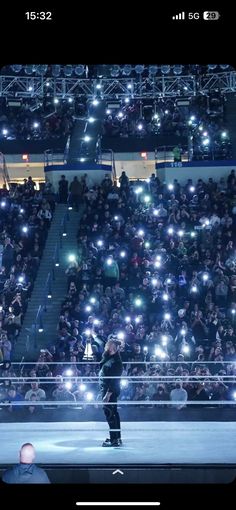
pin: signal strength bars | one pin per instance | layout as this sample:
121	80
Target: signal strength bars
180	16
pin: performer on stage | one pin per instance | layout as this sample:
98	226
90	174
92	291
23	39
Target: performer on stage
111	365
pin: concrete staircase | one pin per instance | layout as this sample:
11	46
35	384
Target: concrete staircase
30	342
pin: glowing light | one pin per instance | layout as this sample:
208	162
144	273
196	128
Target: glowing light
138	302
124	383
233	311
92	300
192	189
127	319
127	100
129	86
72	258
234	395
96	322
155	212
223	134
157	264
70	100
137	320
138	190
98	86
21	279
120	115
165	297
89	396
3	203
108	112
147	199
170	187
56	100
166	112
167	316
91	120
205	277
186	349
147	244
69	372
183	332
168	281
122	254
141	232
164	340
140	127
100	243
87	332
205	133
95	102
25	229
5	132
82	387
87	138
36	125
194	288
170	230
158	352
120	335
145	350
206	141
109	262
68	385
88	308
192	117
116	218
180	233
193	234
154	281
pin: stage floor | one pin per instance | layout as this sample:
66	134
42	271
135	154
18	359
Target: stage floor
144	443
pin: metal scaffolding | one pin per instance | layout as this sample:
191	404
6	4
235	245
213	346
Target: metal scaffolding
21	87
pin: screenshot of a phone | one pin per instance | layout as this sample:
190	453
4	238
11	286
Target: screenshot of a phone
118	273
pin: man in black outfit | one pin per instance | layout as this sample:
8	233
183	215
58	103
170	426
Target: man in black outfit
111	366
63	189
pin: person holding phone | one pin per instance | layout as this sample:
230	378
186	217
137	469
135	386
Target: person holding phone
111	366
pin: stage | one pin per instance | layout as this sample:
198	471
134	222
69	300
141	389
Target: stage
172	443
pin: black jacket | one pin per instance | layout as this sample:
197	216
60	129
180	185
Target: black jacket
110	366
25	473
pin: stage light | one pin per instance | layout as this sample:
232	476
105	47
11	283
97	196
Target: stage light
87	138
120	335
164	340
70	99
96	322
82	387
129	86
127	100
79	70
170	187
154	282
95	102
139	69
5	132
124	383
100	243
122	254
127	319
82	160
69	372
194	289
165	297
138	302
88	308
192	189
25	229
109	261
92	300
47	84
147	199
178	69
56	100
91	120
205	277
98	86
89	396
108	111
36	125
147	244
138	190
141	232
193	234
30	88
206	141
180	233
115	71
3	203
153	70
71	257
186	349
170	230
167	316
165	69
127	69
87	332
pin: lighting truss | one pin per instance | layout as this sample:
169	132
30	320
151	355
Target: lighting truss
117	88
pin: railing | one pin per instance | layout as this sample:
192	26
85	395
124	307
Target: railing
108	155
164	154
53	158
4	171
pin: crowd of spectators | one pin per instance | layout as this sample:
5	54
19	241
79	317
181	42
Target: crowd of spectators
27	123
155	267
25	216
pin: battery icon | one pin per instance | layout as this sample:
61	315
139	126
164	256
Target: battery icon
211	15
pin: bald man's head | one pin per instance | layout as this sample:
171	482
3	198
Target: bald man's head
27	453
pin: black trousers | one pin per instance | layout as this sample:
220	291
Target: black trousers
112	417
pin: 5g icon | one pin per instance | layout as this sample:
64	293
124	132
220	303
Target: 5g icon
193	15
